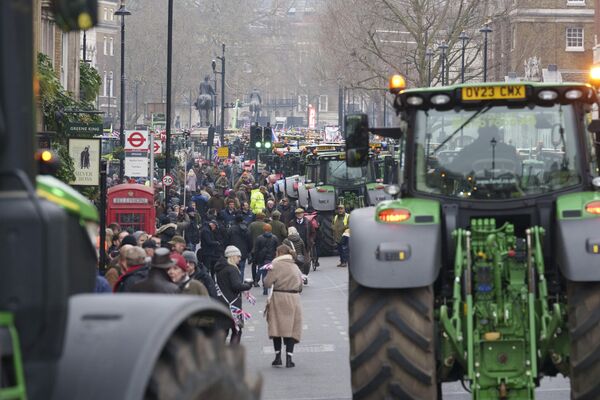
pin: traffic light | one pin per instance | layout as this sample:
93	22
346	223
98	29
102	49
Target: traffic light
256	136
268	137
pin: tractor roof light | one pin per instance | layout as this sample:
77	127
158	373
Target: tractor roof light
573	94
595	76
394	215
414	101
440	99
547	95
397	84
593	207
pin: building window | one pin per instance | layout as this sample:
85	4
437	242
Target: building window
302	103
112	46
576	3
105	84
112	14
574	39
105	46
111	83
323	103
105	14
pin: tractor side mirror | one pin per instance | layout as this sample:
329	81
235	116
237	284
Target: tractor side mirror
75	15
356	133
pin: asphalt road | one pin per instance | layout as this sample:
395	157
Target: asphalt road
322	369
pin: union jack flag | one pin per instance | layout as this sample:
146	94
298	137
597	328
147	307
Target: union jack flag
251	299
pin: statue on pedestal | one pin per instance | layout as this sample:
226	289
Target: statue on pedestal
204	102
255	104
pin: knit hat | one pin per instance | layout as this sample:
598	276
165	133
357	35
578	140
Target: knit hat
190	256
231	251
276	213
292	231
179	261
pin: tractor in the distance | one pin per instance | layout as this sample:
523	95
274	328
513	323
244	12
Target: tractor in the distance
485	267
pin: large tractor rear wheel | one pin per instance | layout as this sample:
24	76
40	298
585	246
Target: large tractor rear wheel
325	242
392	345
584	331
194	366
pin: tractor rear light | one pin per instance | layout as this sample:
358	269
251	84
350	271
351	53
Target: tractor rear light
593	207
394	215
379	187
321	190
573	94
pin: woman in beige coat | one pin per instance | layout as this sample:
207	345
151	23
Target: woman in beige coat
284	315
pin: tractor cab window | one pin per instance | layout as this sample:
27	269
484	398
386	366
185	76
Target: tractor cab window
496	152
337	173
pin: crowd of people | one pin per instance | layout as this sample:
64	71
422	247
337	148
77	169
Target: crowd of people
202	247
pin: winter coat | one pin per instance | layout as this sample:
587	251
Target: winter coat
339	224
201	274
256	229
284	315
279	229
191	182
192	233
211	248
194	287
218	203
296	244
230	282
239	236
227	216
257	201
305	229
157	282
221	184
248	216
134	274
287	214
265	248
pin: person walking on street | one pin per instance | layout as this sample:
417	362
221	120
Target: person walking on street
198	272
284	311
179	276
256	229
211	247
279	228
306	231
230	287
294	241
345	248
264	250
158	280
340	223
239	236
286	211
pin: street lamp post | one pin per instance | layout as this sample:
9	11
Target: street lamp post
169	74
222	58
122	11
464	39
485	30
443	48
429	55
214	68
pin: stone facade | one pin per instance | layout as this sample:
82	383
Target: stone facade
559	32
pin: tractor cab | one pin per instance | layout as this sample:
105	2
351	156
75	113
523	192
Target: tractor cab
493	231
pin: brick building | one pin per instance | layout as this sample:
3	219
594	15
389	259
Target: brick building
559	32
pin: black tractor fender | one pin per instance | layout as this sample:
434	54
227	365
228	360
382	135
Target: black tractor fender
577	241
113	341
386	255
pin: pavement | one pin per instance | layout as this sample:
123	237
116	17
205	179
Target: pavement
322	369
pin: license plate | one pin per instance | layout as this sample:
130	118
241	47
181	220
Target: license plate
502	92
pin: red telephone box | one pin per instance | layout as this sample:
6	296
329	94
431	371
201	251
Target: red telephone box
132	206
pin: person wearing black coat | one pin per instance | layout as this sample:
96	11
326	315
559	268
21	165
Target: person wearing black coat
230	287
158	280
210	250
264	251
239	236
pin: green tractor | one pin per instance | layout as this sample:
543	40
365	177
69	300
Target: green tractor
329	182
485	267
59	340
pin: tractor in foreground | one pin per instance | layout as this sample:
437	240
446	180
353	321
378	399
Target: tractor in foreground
485	266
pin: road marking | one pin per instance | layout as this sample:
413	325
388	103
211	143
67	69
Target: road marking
343	333
306	348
